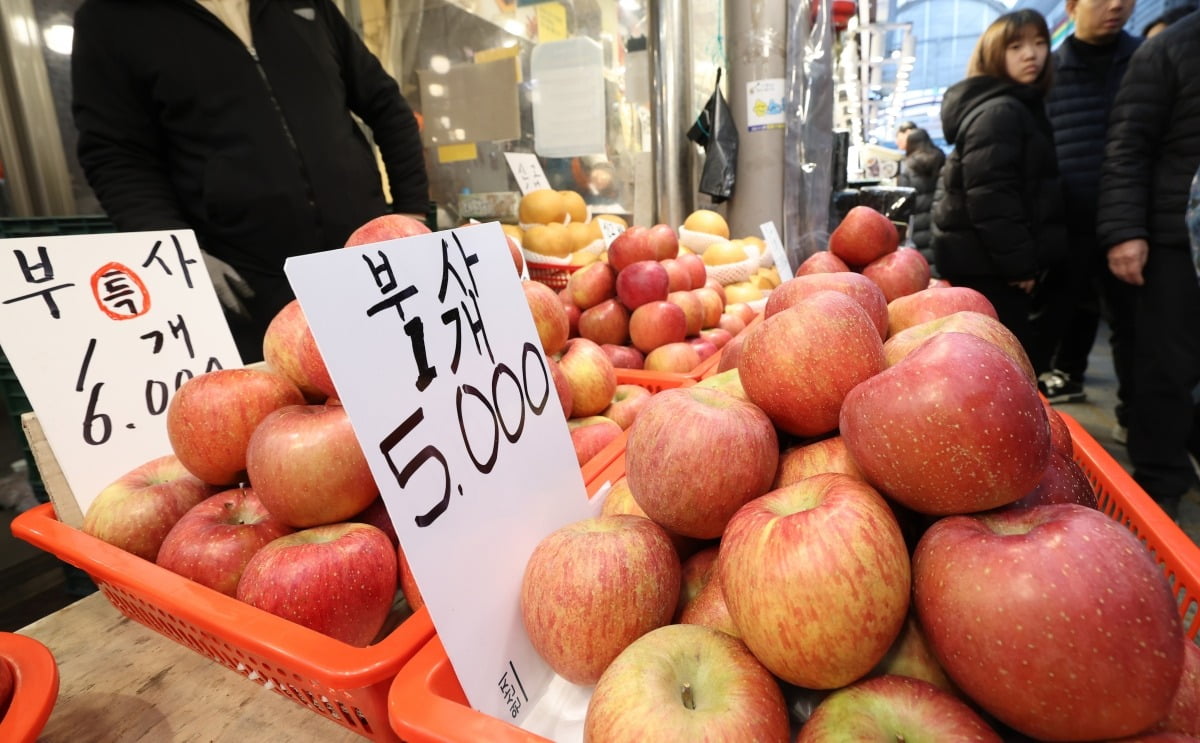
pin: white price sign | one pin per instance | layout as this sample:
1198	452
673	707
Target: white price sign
527	170
101	330
610	230
431	345
775	245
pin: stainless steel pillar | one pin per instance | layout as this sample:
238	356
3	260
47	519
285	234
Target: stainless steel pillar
809	142
671	110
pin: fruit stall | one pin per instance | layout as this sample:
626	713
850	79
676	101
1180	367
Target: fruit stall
847	514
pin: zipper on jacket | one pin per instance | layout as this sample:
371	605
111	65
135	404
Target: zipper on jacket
287	132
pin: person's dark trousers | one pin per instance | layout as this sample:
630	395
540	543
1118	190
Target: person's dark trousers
271	293
1167	369
1065	318
1011	304
1118	305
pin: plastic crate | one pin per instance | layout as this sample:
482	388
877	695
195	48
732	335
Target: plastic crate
35	690
345	684
553	276
427	704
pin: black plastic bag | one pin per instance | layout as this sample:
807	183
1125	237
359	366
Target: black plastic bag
715	131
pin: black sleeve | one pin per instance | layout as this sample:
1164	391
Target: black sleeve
120	147
375	97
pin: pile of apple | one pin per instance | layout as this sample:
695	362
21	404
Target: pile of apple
871	528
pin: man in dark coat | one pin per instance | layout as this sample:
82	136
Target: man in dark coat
1151	155
1088	68
233	118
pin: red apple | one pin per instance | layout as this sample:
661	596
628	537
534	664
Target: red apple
386	227
627	401
816	458
911	656
593	587
377	515
619	501
955	427
679	279
717	286
1060	435
1055	619
697	570
211	418
693	310
642	282
591	434
928	304
863	236
307	468
709	608
669	458
730	323
549	316
656	324
717	336
606	323
624	357
821	261
894	708
1064	481
514	251
899	273
854	285
408	584
731	354
337	579
686	683
697	272
728	381
704	347
212	542
816	576
562	386
630	247
573	313
592	284
713	304
744	311
988	328
591	376
800	364
137	510
1183	716
664	241
289	348
677	358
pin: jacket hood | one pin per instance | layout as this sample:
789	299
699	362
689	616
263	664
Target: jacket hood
962	97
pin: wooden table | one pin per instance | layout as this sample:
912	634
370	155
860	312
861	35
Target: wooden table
120	681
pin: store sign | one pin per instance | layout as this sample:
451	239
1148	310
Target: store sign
101	331
775	245
527	170
432	348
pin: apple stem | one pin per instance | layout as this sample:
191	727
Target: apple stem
686	694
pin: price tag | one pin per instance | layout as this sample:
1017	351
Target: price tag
527	170
610	230
434	353
775	245
101	330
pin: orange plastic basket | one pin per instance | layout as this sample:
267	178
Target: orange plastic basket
35	690
345	684
553	276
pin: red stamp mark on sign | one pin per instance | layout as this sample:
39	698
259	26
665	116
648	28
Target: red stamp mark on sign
119	292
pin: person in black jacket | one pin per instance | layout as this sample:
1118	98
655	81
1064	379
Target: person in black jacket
233	118
998	212
1088	68
1150	157
922	164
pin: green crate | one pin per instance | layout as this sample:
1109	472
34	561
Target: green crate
49	226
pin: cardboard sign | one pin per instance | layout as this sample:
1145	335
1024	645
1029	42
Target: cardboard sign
434	354
775	245
101	330
527	170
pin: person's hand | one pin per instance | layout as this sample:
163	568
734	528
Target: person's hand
1126	260
1025	285
232	290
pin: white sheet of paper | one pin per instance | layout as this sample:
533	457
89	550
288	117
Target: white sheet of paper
101	330
775	245
764	104
434	354
610	230
527	169
568	98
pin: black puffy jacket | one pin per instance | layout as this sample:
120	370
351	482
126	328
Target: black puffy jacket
180	126
1153	145
999	208
920	172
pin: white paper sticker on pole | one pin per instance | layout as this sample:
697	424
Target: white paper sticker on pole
764	104
432	348
775	245
101	330
527	170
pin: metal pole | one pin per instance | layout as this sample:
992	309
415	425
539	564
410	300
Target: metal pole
670	110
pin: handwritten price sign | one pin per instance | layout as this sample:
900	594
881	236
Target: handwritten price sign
433	351
101	330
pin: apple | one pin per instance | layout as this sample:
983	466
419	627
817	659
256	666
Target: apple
709	608
858	287
815	458
715	285
911	656
211	417
679	279
1183	716
728	381
716	336
731	354
337	579
619	501
631	246
686	683
386	227
289	348
592	587
713	304
821	261
642	282
939	284
562	386
1060	434
137	510
1064	481
664	241
591	434
549	316
695	455
514	250
863	236
696	572
693	310
694	265
798	365
731	323
975	323
899	273
307	467
928	304
656	324
408	584
816	576
213	541
573	313
606	323
1055	619
956	402
743	311
627	401
894	708
678	358
376	514
624	357
704	347
592	284
590	375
